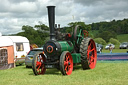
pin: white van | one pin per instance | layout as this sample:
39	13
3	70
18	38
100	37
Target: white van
20	45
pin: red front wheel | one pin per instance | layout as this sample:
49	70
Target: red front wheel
38	64
66	63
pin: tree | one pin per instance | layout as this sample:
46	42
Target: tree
119	26
34	36
72	25
100	41
106	35
114	41
42	27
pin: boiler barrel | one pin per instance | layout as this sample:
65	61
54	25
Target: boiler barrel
65	46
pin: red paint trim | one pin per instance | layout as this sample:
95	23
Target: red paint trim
51	50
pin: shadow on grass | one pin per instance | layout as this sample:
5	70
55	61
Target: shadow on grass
48	72
77	67
53	71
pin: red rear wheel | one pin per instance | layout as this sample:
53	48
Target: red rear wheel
38	64
66	63
88	53
91	54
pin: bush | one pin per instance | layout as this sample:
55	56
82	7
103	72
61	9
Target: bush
106	35
114	41
100	41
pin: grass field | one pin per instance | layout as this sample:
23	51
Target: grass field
123	37
115	51
111	73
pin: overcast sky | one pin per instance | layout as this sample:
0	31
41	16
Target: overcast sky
16	13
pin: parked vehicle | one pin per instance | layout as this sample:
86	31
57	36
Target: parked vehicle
124	45
98	48
107	46
101	46
29	56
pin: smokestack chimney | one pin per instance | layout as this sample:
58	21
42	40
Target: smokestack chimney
51	18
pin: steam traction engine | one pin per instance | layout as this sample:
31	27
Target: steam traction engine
77	48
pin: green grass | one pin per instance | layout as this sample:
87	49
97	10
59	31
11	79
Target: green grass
103	74
123	37
115	51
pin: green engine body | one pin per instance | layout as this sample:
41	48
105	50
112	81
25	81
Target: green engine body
65	46
68	46
54	49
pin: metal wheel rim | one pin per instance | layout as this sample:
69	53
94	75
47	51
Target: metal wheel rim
68	63
40	68
91	54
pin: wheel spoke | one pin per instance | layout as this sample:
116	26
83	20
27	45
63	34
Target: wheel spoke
89	47
37	63
92	49
65	63
91	63
66	68
92	58
67	58
69	66
38	68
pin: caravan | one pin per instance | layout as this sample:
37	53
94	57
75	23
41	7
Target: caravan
13	50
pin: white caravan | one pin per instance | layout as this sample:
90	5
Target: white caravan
20	46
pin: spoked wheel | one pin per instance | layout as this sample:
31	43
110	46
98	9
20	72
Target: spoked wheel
88	53
38	64
78	37
66	63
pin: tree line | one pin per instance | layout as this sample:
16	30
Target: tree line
39	34
36	35
107	30
119	26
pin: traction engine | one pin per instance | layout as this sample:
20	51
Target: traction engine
64	50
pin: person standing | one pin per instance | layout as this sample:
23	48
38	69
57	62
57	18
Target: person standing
110	48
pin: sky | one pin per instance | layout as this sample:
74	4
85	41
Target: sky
16	13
